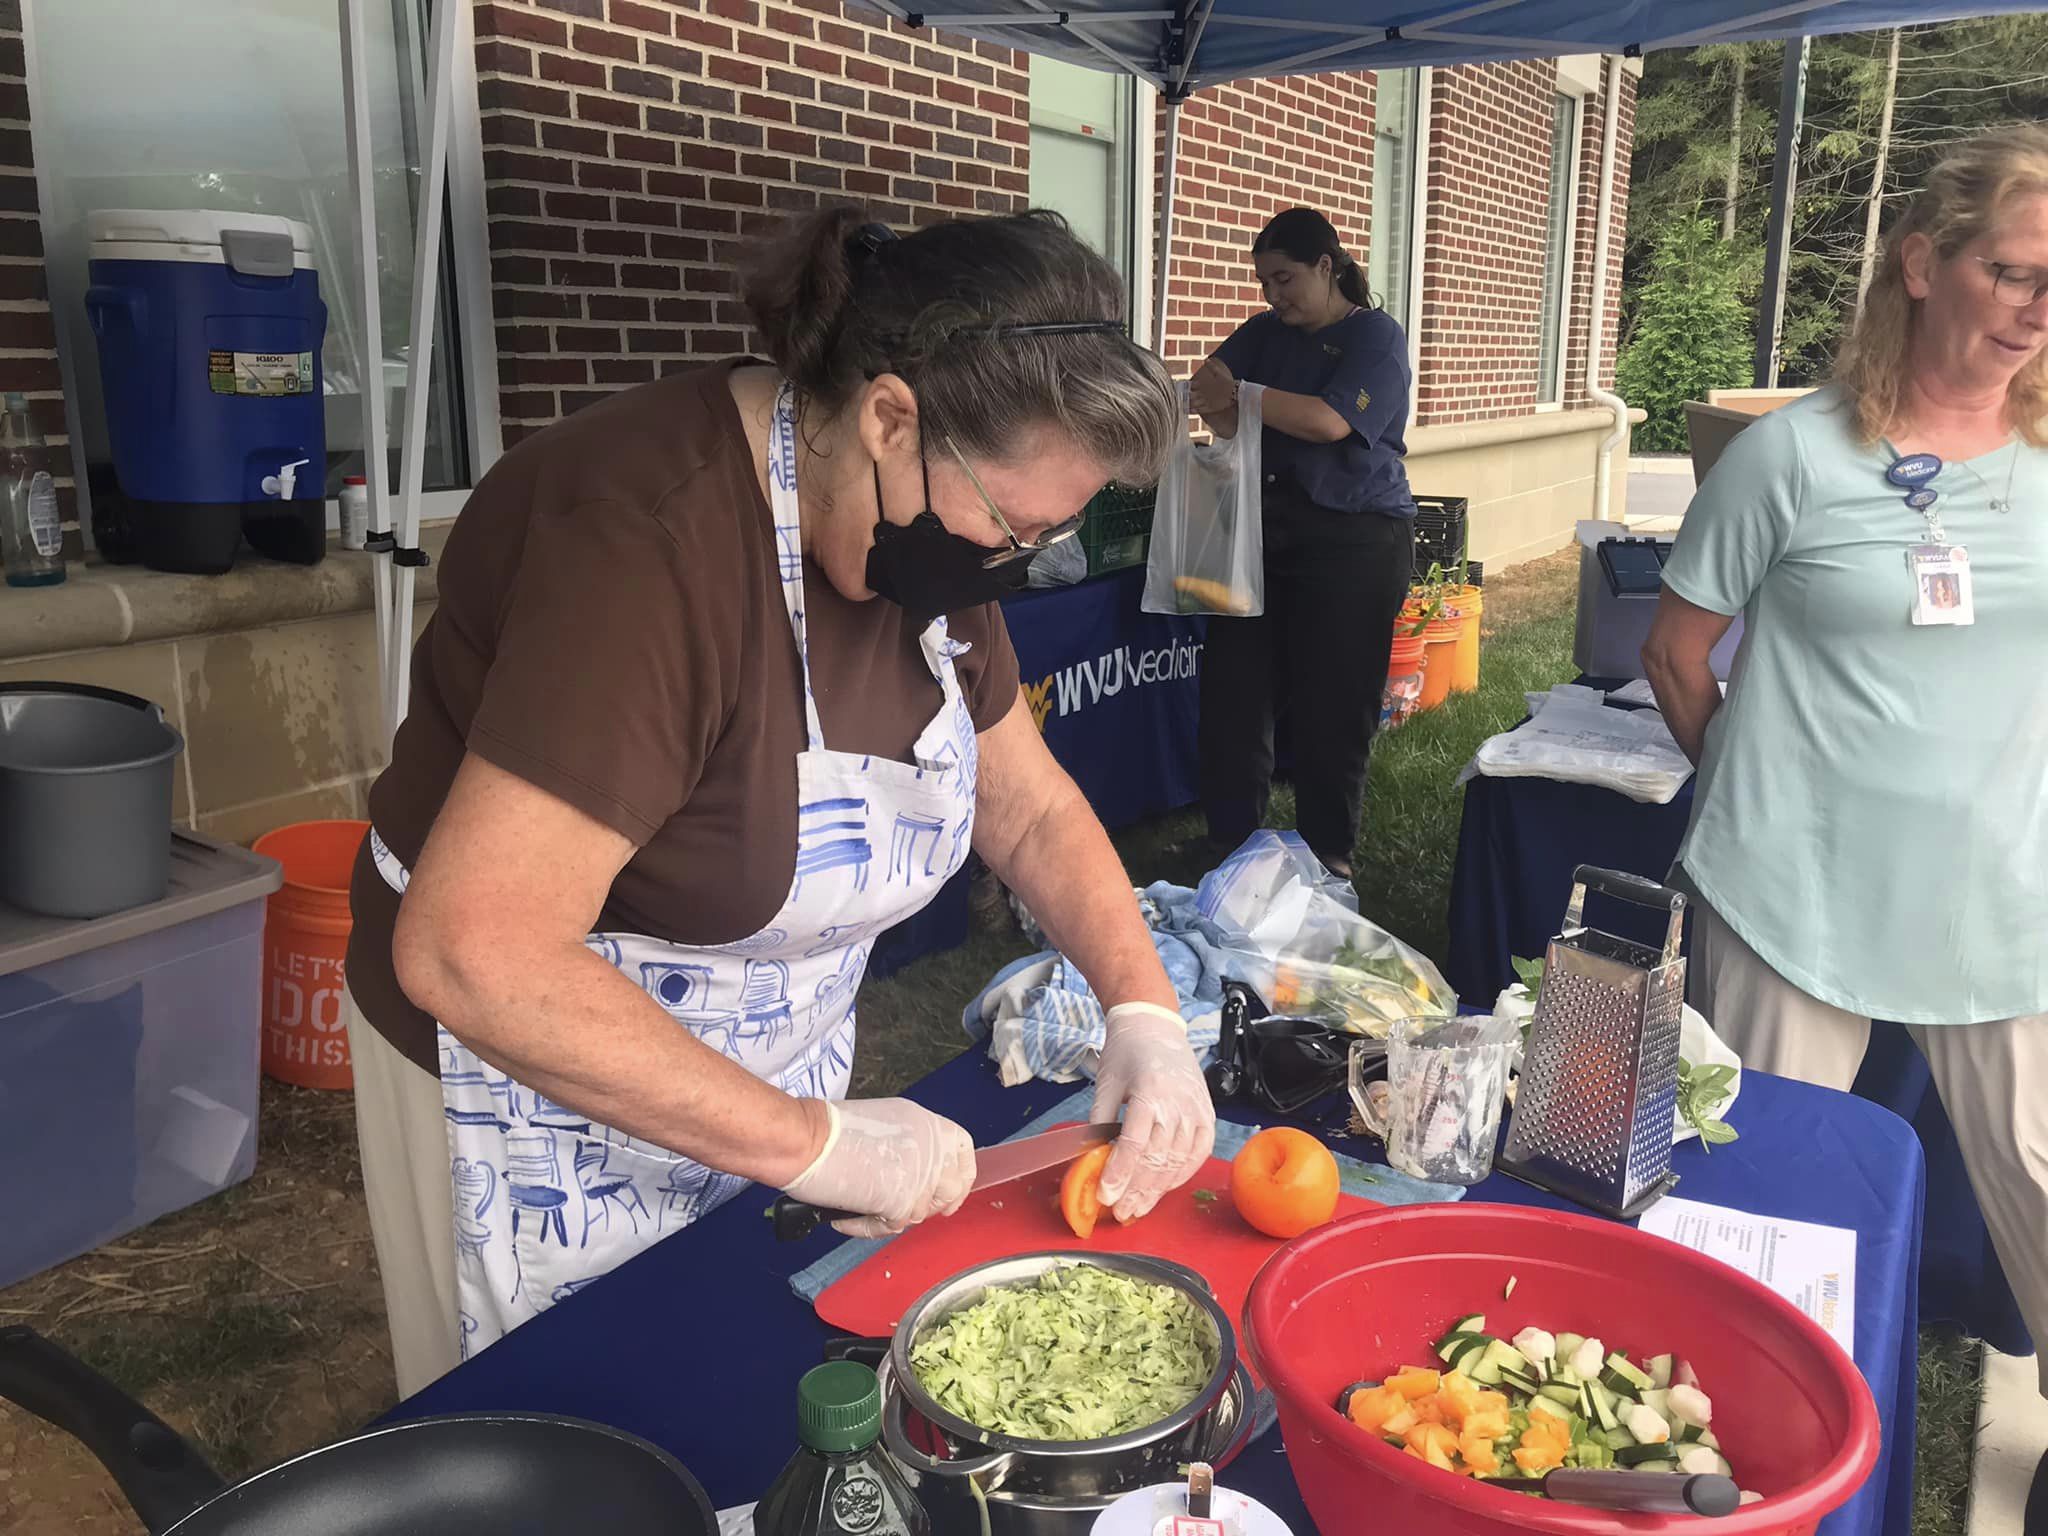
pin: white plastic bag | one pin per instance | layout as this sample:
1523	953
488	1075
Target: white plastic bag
1290	931
1208	545
1572	735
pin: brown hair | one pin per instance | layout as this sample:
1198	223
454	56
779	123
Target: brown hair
836	303
1306	236
1962	200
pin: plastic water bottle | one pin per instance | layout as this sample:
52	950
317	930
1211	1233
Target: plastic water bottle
840	1482
355	512
31	527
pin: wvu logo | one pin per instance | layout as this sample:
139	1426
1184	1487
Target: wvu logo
1363	400
1039	696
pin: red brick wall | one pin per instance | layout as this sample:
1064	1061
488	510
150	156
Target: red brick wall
28	339
1482	293
632	146
1246	152
1590	124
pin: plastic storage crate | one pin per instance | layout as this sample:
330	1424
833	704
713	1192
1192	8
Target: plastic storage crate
128	1056
1117	529
1440	532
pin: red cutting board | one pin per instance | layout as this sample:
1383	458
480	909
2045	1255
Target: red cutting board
1023	1216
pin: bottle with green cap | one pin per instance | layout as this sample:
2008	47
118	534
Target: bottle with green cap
840	1482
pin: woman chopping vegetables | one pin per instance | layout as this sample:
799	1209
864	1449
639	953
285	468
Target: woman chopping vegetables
717	691
1339	539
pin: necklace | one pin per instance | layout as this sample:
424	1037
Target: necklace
2000	503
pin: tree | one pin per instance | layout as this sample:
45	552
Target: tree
1691	329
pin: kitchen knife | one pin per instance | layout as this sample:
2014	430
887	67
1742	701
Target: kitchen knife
794	1219
1648	1493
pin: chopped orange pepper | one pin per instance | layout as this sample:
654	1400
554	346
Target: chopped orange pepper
1479	1453
1371	1409
1401	1422
1538	1460
1416	1382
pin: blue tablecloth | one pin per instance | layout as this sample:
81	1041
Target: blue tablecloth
697	1344
1518	843
1117	693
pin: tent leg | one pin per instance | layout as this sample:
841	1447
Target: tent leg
369	340
1162	259
426	267
1770	309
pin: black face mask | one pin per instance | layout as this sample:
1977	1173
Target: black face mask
927	570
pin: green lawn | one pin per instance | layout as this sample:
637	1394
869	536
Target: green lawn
911	1022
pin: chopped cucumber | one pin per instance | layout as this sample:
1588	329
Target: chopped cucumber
1455	1343
1707	1439
1619	1385
1658	1401
1620	1365
1660	1370
1593	1454
1559	1392
1617	1438
1471	1322
1504	1357
1545	1405
1647	1457
1603	1408
1566	1375
1516	1381
1568	1345
1686	1434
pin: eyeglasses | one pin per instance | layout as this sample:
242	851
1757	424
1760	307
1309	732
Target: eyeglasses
1282	1063
2015	287
1059	533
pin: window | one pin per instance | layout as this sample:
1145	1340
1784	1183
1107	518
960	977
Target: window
1390	255
1083	139
1557	249
237	106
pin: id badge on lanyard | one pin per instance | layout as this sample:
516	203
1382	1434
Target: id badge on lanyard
1941	584
1940	571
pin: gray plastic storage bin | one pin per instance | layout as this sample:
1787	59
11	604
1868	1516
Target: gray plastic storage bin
128	1057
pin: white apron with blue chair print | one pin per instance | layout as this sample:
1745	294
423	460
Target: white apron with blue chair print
546	1199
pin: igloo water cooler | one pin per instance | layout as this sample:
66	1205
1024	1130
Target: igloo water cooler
209	328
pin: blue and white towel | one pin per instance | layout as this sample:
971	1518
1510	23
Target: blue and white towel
1042	1019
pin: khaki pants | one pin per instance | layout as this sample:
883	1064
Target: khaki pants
1990	1078
404	1143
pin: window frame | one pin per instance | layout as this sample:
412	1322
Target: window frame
1130	162
1568	89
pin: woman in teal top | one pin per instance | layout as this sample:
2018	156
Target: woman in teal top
1869	836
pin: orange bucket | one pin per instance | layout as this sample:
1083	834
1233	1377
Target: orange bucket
1468	603
305	942
1439	661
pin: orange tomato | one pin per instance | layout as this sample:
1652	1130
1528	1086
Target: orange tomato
1080	1200
1284	1181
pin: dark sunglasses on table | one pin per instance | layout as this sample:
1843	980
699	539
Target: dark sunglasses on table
1018	549
2015	287
1280	1062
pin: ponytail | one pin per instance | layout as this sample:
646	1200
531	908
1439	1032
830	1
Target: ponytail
1304	235
799	289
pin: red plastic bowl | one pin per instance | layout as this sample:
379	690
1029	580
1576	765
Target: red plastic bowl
1364	1296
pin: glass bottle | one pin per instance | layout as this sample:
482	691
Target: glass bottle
31	527
840	1482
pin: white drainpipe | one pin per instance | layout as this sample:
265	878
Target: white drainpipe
1603	240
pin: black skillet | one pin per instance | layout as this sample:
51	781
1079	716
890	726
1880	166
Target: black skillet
460	1475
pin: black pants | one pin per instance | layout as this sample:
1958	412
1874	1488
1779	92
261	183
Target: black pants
1334	587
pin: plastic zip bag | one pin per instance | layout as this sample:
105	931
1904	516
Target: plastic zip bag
1208	540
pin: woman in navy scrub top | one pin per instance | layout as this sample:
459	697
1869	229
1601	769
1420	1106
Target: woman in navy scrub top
1340	539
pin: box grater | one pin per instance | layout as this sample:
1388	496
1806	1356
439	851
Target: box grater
1599	1079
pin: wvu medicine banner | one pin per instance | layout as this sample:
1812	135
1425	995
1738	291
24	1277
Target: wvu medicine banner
1115	692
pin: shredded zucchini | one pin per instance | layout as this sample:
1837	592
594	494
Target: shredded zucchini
1082	1354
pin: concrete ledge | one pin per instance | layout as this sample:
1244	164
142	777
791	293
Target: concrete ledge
1532	427
109	605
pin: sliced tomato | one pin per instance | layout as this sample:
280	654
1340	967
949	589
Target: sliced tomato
1080	1198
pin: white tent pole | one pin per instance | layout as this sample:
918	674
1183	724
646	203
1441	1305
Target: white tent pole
1596	320
369	338
1162	259
426	274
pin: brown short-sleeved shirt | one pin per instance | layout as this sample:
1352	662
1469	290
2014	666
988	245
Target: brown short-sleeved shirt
611	629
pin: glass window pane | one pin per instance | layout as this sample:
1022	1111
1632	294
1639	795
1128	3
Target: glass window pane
1081	146
1390	243
190	106
1564	122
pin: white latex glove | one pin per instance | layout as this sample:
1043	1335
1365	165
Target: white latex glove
1148	1072
893	1161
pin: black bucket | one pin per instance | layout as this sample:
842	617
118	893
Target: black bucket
85	799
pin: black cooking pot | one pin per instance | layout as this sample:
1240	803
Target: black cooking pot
470	1474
